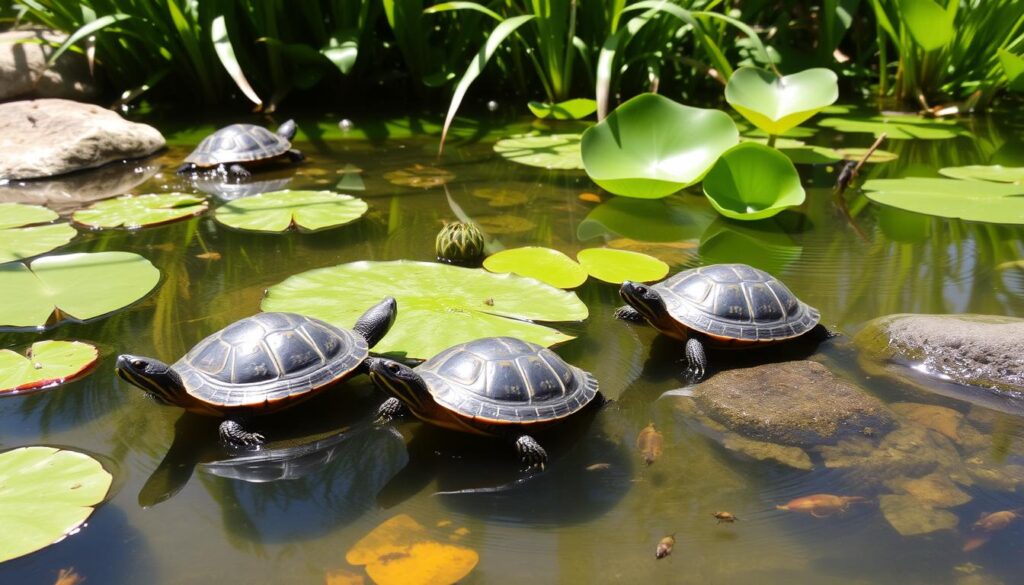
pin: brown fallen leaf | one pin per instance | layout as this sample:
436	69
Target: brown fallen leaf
649	442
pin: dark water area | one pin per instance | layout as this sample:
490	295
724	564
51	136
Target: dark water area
182	510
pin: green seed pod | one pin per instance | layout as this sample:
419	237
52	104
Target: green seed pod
459	243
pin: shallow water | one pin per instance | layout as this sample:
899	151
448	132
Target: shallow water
203	519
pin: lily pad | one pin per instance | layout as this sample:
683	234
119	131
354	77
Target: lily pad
18	241
14	215
278	211
501	197
402	552
651	146
504	224
897	127
547	151
420	176
76	286
573	109
48	363
776	104
970	200
996	173
855	154
438	305
752	181
136	211
544	264
45	494
618	266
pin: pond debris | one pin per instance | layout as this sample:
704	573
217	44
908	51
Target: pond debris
590	197
821	505
68	577
599	466
848	172
975	542
401	551
997	521
649	442
727	517
209	256
665	546
343	577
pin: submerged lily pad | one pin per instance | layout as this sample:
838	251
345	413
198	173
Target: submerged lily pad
752	181
438	305
278	211
651	146
897	127
504	224
877	156
547	151
618	266
45	494
544	264
136	211
970	200
47	363
646	220
420	176
776	104
20	238
76	286
501	197
573	109
996	173
402	552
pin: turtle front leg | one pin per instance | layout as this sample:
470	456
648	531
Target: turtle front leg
389	410
238	171
233	434
295	156
696	361
531	454
627	313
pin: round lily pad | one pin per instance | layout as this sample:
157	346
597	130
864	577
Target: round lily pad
19	214
47	363
278	211
776	104
547	151
618	266
136	211
438	305
753	181
971	200
45	494
544	264
420	176
21	238
72	286
995	173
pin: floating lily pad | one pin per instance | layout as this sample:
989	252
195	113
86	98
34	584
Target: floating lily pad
996	173
752	181
646	220
438	305
47	363
573	109
776	104
45	494
970	200
651	146
799	151
18	241
617	266
136	211
278	211
897	127
420	176
501	197
504	224
544	264
76	286
14	215
402	552
547	151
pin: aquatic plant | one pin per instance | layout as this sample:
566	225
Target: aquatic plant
752	181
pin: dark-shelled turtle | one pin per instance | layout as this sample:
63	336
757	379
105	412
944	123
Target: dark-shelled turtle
234	148
259	365
722	305
495	386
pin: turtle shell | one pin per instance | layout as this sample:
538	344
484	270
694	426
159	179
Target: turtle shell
238	143
736	301
269	358
506	380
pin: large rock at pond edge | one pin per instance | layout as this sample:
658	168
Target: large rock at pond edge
977	350
793	403
43	138
23	70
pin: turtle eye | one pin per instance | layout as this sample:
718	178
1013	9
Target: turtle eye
138	364
393	367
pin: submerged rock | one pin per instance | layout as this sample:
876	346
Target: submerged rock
935	490
940	419
24	72
794	457
910	517
792	403
43	138
908	452
69	193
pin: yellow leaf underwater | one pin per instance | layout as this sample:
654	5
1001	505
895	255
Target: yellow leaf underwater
401	552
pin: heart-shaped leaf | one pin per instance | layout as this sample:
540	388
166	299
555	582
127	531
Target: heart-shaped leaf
618	266
575	109
45	494
651	146
18	242
136	211
544	264
547	151
776	104
438	305
753	181
77	286
48	363
970	200
277	211
996	173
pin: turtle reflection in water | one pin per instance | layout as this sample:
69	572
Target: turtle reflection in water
722	305
232	149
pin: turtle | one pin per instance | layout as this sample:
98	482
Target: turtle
721	305
494	386
233	148
260	364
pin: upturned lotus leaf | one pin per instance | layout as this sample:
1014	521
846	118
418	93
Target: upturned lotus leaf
752	181
278	211
618	266
136	211
544	264
21	238
47	363
776	104
547	151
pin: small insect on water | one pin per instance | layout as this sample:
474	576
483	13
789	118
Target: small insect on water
726	517
665	546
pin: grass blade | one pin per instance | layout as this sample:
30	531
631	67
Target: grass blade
226	54
84	32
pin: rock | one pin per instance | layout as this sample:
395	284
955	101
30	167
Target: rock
935	490
44	138
976	350
908	452
940	419
792	403
68	193
23	70
794	457
910	517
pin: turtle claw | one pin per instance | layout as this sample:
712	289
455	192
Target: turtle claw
388	411
233	435
696	360
628	313
532	455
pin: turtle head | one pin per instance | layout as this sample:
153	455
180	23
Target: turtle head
374	324
155	377
287	130
400	381
645	300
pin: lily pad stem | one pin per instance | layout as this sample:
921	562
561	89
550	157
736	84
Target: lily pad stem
771	140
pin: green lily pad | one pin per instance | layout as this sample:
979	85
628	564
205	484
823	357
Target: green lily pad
438	305
574	109
136	211
18	241
504	224
544	264
752	181
618	266
76	286
1013	66
547	151
776	104
996	173
48	363
970	200
897	127
651	146
646	220
278	211
45	494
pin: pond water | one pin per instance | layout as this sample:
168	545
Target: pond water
181	511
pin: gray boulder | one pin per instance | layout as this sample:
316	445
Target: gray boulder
23	70
44	138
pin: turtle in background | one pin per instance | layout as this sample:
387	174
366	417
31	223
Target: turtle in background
232	150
